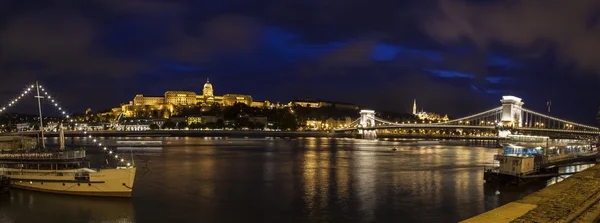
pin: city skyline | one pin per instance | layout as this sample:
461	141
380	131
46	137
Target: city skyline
111	51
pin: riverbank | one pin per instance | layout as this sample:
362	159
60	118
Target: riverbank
570	200
183	133
234	133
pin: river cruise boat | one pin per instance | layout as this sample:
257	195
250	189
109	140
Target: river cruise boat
29	166
63	172
523	158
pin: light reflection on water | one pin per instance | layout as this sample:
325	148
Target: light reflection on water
285	180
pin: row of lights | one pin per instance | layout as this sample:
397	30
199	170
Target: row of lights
85	133
16	99
560	120
54	102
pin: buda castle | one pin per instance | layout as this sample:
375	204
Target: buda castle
167	105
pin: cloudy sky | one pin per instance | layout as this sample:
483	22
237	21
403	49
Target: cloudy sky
455	57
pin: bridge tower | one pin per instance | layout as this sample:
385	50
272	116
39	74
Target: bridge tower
511	115
367	120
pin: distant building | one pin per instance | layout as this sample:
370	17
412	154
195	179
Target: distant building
314	124
310	103
337	123
165	106
261	104
422	115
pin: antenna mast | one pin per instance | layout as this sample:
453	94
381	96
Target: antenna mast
40	110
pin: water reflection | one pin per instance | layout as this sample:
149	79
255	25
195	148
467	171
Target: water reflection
288	180
26	206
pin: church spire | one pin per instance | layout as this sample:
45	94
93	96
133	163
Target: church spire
415	107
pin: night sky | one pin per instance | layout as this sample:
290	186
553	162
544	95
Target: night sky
453	57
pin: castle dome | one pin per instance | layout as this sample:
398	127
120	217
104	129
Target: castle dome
207	91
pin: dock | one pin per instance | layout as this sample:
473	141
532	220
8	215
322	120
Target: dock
575	199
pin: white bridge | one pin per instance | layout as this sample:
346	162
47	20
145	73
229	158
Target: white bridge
510	118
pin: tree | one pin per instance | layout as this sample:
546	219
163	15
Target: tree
153	126
220	124
182	125
169	125
196	125
211	125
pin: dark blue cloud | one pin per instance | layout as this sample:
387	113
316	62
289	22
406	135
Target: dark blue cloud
503	62
449	74
388	52
496	80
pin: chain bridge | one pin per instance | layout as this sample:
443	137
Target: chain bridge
509	118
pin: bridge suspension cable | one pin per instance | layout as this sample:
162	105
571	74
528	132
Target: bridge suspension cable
354	122
528	118
385	121
492	112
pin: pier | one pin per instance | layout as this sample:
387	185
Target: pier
575	199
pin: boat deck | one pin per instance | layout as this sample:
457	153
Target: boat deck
65	157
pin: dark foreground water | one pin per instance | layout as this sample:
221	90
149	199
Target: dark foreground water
285	180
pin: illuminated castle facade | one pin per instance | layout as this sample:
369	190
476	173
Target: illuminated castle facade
422	115
165	106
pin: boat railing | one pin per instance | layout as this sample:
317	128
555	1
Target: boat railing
44	156
491	169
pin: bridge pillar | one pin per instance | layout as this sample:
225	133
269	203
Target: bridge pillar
367	119
511	115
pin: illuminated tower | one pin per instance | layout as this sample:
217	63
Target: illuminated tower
415	107
208	89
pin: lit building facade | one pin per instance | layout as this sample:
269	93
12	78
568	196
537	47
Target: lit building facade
231	99
422	115
165	106
140	99
180	98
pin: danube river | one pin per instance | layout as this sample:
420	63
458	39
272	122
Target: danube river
284	180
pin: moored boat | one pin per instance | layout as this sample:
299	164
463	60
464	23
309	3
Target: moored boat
524	158
65	172
28	165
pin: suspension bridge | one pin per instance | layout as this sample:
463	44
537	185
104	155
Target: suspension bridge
509	118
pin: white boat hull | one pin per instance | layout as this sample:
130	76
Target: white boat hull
104	183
